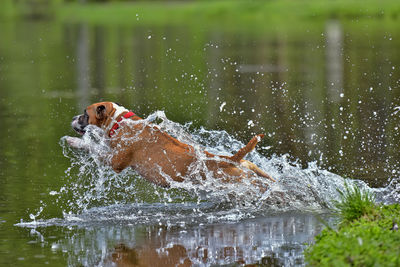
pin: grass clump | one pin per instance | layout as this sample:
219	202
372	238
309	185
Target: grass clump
367	234
355	203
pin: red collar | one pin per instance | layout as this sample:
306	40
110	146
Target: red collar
116	125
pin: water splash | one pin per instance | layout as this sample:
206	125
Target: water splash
95	192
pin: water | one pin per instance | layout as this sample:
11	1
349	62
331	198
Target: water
99	184
93	184
276	238
328	112
200	222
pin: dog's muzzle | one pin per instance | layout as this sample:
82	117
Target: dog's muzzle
79	123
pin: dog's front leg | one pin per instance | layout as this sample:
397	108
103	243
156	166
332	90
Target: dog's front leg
77	143
120	161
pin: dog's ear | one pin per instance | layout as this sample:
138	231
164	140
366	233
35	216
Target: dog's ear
100	112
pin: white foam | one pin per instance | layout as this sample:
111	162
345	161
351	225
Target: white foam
92	184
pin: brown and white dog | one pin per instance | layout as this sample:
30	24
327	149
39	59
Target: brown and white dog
154	154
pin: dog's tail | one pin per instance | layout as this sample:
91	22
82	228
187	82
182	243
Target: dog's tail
249	147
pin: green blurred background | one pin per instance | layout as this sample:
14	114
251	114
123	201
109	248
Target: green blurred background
320	78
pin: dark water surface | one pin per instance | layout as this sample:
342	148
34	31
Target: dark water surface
326	96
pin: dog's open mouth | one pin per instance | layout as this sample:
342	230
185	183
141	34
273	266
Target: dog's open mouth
79	131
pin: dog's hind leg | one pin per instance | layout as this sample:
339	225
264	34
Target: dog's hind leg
251	166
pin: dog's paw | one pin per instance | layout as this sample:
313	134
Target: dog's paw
75	142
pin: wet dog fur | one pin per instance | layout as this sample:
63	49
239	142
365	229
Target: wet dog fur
154	154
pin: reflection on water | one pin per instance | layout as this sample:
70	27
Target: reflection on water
273	240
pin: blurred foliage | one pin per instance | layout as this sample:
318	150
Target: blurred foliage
33	9
225	11
7	9
230	13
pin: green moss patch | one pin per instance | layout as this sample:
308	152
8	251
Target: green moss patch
367	235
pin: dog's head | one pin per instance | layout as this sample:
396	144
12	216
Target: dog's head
99	114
